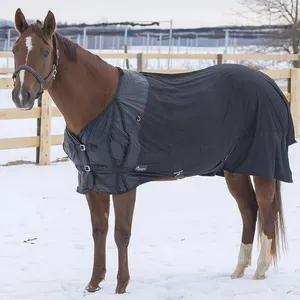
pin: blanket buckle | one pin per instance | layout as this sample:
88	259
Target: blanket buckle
87	168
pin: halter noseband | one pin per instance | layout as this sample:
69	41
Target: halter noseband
42	80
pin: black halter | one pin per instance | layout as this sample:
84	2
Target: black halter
42	80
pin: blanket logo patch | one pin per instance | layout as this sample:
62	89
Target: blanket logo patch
141	168
179	174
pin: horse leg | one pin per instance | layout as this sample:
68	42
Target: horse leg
241	189
271	222
124	207
99	210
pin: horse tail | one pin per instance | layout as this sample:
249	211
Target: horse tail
279	241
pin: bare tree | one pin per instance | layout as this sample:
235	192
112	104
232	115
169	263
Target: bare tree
284	12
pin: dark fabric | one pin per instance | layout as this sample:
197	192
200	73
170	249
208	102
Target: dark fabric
225	117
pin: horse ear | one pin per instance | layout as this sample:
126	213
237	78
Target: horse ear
20	21
49	24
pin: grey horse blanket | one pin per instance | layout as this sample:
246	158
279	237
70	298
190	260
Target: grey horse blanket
225	117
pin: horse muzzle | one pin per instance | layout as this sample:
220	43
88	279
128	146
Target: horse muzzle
23	99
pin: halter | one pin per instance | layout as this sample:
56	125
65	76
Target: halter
42	80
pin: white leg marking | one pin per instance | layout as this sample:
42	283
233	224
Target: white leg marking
29	46
244	260
264	259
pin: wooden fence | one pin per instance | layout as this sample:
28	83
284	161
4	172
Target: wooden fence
46	111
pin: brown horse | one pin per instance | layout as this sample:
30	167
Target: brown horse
82	85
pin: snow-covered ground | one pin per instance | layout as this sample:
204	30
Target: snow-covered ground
181	63
184	244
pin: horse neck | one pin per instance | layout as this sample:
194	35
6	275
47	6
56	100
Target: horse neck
83	89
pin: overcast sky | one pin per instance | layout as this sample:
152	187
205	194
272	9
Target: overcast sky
185	13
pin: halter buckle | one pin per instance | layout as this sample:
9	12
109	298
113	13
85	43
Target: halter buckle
54	71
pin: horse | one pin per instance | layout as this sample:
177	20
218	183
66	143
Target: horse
84	87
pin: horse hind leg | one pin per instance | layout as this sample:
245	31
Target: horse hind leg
241	189
271	223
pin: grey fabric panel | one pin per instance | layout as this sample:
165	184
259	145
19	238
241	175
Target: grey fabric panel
114	134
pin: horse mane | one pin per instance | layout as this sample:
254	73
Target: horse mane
69	47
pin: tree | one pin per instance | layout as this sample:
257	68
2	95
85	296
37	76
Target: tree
284	12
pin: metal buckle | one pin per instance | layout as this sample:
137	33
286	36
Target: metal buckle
82	147
54	71
87	168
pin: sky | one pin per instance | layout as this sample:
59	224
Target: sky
186	13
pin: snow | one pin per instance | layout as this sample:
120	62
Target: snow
184	244
184	251
185	237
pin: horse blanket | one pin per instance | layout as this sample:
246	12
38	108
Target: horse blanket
158	126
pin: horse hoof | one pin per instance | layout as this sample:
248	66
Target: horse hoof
236	276
121	289
259	277
92	289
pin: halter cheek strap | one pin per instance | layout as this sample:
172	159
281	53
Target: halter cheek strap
42	80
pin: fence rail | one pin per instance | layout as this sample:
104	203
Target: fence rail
44	140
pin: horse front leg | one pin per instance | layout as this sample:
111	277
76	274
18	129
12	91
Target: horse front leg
124	207
99	210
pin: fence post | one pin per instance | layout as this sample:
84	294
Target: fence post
219	59
295	99
38	130
45	131
127	60
139	62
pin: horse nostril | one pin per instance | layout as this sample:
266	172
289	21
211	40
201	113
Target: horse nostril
15	94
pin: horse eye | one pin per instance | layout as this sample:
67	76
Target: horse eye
46	53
